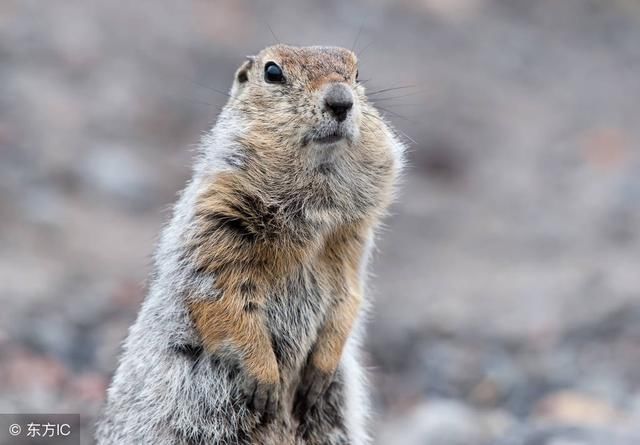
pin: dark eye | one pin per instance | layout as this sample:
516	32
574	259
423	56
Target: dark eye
273	73
357	76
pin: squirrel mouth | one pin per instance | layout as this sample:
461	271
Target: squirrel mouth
329	135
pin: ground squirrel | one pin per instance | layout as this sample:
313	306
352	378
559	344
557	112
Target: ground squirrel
249	333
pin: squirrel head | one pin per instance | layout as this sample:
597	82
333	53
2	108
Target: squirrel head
305	97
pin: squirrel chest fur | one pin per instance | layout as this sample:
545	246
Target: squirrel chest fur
249	333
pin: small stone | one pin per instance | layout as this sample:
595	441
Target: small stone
485	393
437	422
574	408
89	386
29	372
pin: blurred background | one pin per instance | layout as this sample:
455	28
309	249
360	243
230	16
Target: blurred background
506	286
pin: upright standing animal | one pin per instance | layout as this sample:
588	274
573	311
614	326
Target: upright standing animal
249	333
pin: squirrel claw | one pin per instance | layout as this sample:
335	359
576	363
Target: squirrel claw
313	385
262	399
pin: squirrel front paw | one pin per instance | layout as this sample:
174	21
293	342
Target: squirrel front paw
261	397
312	386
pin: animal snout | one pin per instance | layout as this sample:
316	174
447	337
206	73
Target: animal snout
338	100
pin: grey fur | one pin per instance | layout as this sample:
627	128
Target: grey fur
168	390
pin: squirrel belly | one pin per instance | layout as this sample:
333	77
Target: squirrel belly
250	331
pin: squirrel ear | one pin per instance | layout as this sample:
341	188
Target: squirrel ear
243	72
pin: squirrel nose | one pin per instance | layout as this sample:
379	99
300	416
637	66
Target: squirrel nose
338	100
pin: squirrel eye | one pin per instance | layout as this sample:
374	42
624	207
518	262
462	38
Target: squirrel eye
357	75
273	73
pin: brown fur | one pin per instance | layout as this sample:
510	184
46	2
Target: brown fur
226	321
341	261
258	280
246	270
256	225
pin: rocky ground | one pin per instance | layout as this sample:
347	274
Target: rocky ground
506	287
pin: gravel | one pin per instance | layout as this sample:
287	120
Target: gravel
506	292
